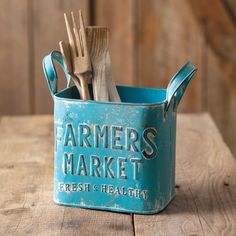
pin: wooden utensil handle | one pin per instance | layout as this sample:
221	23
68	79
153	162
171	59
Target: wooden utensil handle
84	88
76	82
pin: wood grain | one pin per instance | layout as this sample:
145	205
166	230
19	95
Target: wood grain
14	61
205	203
167	38
220	32
119	17
230	6
49	29
26	185
218	27
221	103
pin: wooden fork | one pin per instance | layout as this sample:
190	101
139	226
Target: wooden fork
65	51
79	53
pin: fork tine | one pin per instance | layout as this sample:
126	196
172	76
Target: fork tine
73	20
76	33
83	34
70	37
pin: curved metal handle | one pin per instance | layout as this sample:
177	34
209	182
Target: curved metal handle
179	83
50	71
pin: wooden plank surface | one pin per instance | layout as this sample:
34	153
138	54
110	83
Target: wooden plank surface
220	62
49	29
14	51
26	186
230	6
167	38
219	30
205	203
119	17
221	103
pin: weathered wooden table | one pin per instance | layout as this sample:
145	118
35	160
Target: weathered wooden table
205	203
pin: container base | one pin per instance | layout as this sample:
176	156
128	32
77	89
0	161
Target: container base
113	209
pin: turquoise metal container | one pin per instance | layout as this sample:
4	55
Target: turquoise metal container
116	156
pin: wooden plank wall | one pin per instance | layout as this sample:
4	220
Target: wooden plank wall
144	43
149	41
48	29
166	40
14	58
218	26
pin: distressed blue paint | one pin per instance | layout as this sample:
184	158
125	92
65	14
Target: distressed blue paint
138	153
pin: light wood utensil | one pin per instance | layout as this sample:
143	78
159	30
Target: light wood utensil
65	51
79	53
112	91
98	40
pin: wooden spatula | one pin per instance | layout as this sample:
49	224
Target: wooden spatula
112	91
97	42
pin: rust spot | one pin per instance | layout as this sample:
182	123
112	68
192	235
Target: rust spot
226	184
177	186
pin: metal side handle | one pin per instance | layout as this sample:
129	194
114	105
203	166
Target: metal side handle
50	71
179	83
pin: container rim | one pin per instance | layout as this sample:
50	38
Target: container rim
157	104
